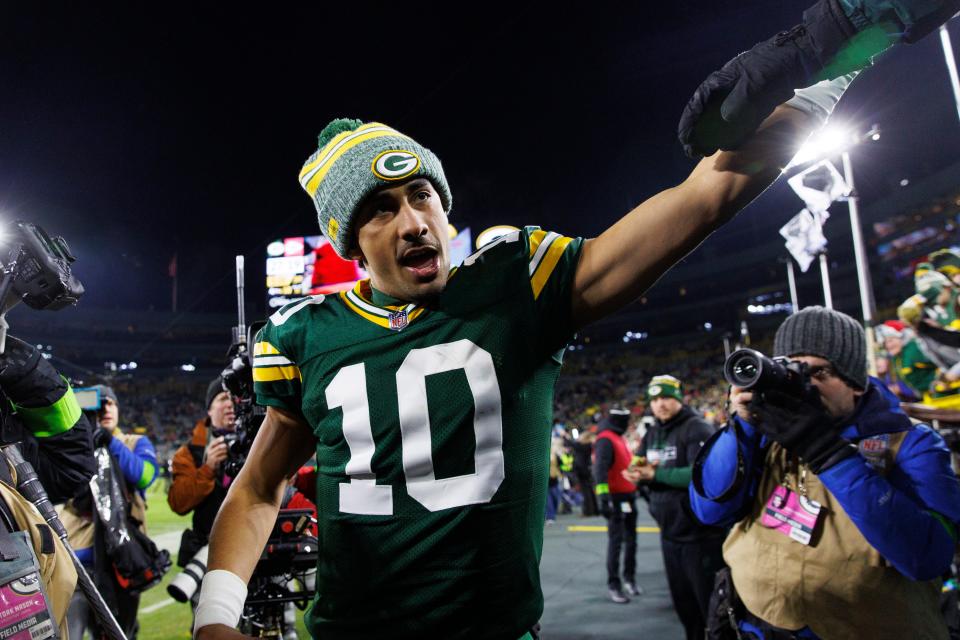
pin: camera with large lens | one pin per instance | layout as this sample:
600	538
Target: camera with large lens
188	581
752	371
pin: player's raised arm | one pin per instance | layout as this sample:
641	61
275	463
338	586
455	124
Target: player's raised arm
735	108
283	443
626	259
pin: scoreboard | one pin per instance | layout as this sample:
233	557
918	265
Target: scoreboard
306	265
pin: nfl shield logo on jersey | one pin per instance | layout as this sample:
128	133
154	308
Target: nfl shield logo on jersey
398	320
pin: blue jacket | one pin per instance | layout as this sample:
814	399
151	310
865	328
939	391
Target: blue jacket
909	516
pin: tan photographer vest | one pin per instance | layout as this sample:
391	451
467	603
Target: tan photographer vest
839	585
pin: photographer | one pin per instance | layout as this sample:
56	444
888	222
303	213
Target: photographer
198	481
136	460
54	436
844	512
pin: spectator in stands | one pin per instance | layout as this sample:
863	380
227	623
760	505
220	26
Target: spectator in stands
198	483
891	336
691	551
845	513
137	462
617	500
915	364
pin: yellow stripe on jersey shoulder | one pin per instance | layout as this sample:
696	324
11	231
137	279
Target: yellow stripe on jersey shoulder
265	349
272	374
536	237
549	262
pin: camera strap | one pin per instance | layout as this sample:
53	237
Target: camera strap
741	469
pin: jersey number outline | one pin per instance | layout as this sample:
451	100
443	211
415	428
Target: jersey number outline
348	390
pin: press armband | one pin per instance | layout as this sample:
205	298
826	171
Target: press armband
602	489
221	600
52	420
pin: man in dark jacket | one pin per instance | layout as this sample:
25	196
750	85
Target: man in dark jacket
617	502
691	551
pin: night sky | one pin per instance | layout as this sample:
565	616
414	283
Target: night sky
139	133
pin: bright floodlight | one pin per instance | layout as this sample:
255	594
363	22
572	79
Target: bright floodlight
829	140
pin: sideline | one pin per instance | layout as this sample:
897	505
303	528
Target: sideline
157	606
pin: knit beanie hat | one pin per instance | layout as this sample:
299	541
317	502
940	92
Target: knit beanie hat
352	161
214	389
617	419
929	283
946	261
664	387
107	393
828	334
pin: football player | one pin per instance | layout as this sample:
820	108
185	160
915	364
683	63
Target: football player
426	393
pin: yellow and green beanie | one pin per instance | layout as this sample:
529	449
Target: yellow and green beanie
946	261
664	386
352	161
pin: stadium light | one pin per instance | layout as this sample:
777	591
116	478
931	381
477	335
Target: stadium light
188	368
830	141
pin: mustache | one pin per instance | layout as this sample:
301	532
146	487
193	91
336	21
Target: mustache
419	243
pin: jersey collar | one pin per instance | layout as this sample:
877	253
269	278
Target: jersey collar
395	317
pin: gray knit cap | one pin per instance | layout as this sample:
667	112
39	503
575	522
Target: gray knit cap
828	334
352	161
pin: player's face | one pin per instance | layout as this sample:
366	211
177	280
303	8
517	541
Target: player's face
665	407
221	411
403	241
839	398
109	414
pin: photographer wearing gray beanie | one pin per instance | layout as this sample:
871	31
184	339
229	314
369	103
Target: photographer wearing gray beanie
844	513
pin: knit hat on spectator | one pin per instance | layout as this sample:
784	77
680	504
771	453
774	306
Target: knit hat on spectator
664	387
946	261
352	161
828	334
214	389
929	283
107	393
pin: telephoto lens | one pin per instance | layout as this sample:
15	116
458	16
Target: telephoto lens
188	581
751	370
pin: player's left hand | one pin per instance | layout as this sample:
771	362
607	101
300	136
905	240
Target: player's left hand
732	102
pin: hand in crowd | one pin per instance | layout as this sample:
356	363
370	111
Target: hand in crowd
640	472
215	453
740	403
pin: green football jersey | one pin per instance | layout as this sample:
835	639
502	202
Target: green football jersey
433	441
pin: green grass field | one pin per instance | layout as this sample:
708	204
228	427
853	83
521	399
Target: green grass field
161	617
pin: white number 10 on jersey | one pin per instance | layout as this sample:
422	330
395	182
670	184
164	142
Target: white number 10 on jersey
348	389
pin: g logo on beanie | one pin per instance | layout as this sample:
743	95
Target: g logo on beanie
395	164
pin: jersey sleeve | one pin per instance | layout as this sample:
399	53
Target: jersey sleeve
276	376
552	264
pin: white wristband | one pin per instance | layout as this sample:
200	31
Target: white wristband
818	100
221	600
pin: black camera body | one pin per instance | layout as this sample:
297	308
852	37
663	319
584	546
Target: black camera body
751	370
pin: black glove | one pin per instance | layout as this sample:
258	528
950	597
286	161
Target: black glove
732	102
605	504
802	428
26	378
101	438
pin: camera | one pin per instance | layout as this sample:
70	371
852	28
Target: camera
751	370
188	581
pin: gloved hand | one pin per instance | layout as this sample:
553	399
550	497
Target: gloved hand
732	102
26	378
605	505
802	428
101	438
